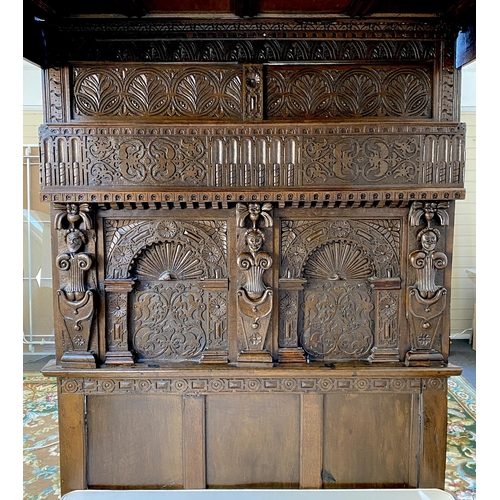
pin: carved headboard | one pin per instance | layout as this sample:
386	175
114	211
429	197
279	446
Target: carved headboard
260	192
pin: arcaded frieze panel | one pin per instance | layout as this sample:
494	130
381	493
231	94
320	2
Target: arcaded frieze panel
321	92
252	284
157	91
196	92
364	156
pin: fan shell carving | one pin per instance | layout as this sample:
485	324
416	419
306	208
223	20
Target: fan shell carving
339	260
170	260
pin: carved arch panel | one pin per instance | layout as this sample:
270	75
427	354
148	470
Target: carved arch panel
175	306
335	275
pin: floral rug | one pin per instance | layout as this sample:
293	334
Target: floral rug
460	478
41	439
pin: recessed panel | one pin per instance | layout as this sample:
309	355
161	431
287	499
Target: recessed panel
369	439
135	440
253	440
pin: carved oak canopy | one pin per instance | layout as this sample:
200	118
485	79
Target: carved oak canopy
325	135
245	194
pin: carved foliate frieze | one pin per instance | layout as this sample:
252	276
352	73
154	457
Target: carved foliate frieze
152	91
137	161
261	51
361	161
367	156
343	91
250	40
76	297
427	297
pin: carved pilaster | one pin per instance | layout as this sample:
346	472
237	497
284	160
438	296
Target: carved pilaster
387	298
117	300
76	301
254	296
288	343
427	297
216	305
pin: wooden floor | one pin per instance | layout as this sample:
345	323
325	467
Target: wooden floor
462	354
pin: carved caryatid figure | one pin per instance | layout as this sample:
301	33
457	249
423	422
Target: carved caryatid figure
253	264
75	301
427	261
76	264
254	297
426	298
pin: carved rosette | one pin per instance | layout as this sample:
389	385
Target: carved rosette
76	299
253	92
254	297
427	296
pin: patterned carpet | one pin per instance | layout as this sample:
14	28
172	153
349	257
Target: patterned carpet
41	440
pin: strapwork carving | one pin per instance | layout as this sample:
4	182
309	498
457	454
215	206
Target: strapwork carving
427	297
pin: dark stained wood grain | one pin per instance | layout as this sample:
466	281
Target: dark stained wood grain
252	236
